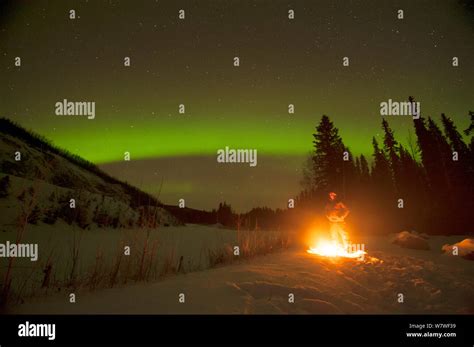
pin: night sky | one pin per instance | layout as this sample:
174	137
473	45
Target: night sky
190	62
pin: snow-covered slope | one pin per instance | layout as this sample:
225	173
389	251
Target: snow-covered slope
51	177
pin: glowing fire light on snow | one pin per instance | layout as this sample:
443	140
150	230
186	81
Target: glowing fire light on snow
333	249
339	245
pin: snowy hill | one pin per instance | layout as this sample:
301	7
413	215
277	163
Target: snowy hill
33	171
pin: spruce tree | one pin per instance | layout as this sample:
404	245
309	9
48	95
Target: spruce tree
455	138
328	161
467	132
381	173
364	169
391	151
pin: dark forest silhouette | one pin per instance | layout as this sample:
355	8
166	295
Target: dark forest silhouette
433	178
427	187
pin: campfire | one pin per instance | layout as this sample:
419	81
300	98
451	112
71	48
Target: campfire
339	244
333	249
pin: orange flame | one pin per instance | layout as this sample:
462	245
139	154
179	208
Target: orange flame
333	249
339	246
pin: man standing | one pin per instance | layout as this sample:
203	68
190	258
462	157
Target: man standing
336	212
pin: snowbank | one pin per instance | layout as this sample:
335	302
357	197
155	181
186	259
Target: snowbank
465	249
411	240
430	282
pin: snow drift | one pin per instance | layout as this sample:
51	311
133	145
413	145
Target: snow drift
464	248
411	240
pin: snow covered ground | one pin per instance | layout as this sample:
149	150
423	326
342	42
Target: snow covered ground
430	282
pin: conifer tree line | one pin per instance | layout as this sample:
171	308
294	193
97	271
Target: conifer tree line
426	186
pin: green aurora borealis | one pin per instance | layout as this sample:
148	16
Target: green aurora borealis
190	62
